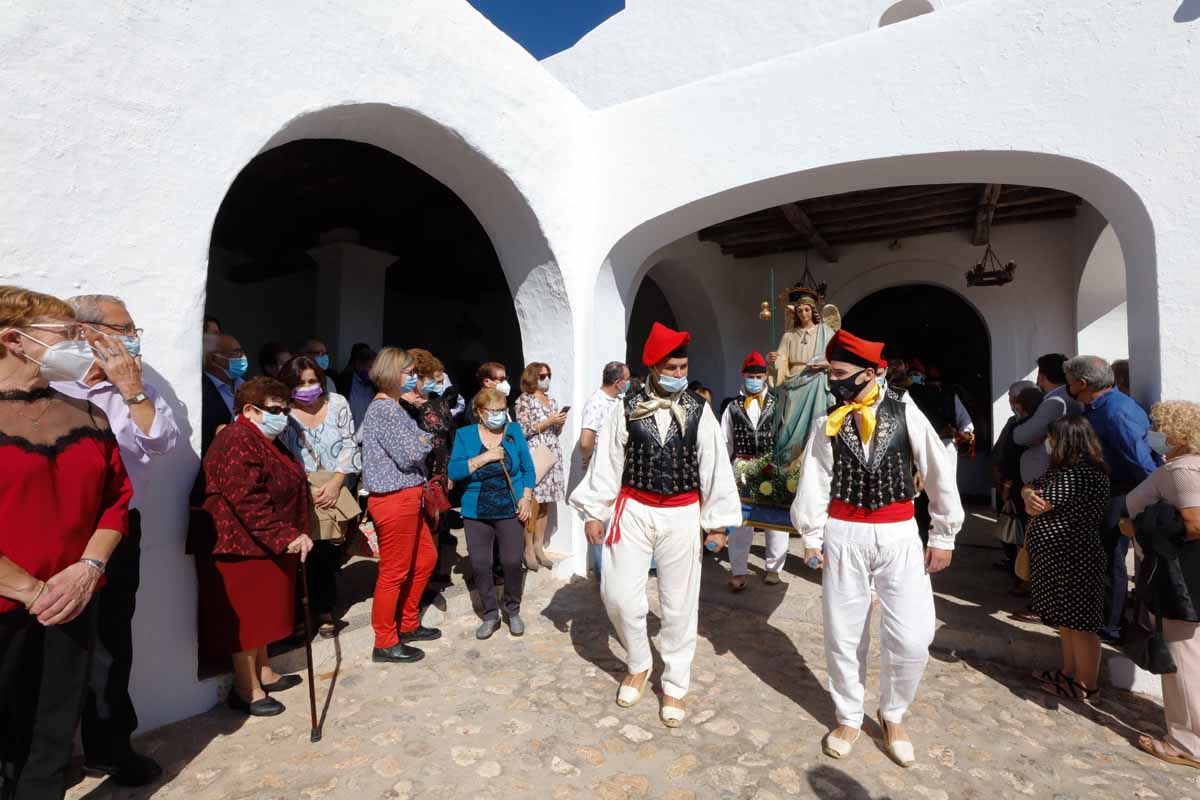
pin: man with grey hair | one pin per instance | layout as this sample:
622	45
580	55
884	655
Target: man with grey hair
1121	425
145	429
614	382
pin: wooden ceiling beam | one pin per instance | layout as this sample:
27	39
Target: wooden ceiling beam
894	220
756	237
962	198
874	197
908	233
1036	209
1045	216
984	212
963	218
798	219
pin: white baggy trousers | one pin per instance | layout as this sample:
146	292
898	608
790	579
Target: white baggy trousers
671	536
887	558
740	539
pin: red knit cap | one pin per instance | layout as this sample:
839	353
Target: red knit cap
661	342
754	362
845	346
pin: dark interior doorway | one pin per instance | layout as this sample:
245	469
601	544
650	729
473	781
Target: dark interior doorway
444	289
649	306
943	330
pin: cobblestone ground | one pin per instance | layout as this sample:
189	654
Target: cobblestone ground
535	717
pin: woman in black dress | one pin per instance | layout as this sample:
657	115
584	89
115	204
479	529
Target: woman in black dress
1067	506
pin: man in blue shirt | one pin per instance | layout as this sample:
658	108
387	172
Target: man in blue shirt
1121	425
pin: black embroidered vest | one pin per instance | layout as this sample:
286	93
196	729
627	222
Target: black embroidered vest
888	476
668	466
750	441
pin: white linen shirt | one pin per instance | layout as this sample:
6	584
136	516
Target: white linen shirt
596	495
810	509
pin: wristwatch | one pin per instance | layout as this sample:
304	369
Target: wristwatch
140	397
94	563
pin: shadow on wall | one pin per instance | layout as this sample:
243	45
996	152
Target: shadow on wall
1189	11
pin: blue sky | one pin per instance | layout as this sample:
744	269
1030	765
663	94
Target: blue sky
544	27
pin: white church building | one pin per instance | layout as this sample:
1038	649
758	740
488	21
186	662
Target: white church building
404	173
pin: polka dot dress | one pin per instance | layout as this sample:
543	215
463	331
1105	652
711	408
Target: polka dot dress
1066	556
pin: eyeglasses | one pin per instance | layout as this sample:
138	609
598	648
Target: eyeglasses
544	376
123	330
274	409
68	330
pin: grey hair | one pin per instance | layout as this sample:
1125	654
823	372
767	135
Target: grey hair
1092	370
613	372
1019	387
87	306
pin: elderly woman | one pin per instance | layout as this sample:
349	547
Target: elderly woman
256	496
321	437
542	422
64	499
394	472
492	460
425	404
1176	437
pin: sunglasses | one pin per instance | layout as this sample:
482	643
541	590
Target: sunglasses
274	409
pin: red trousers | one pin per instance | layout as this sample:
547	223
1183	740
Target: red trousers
407	557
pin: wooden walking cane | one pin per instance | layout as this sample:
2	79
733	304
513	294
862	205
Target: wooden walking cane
315	734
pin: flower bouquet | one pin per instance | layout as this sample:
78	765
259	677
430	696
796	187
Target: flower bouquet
767	490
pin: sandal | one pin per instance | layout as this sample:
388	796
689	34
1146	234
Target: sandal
836	746
901	750
1052	678
1073	690
1165	751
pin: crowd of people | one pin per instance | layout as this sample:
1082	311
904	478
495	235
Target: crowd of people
300	458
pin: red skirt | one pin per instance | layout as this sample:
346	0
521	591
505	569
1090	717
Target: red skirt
245	603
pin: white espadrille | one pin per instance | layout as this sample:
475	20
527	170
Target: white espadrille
901	750
837	747
628	696
672	716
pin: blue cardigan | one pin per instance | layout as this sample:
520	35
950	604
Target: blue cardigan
467	445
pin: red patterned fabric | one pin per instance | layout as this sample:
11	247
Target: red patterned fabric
255	493
54	497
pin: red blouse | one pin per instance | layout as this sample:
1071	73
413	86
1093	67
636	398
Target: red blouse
255	494
53	498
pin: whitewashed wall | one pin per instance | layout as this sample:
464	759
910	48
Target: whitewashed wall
1102	318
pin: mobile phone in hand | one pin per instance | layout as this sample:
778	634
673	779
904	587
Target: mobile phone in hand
564	409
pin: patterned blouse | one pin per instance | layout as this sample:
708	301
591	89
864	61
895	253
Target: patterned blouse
553	486
330	445
434	417
394	448
495	496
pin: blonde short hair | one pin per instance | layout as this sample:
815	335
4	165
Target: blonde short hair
487	395
1179	420
21	307
387	373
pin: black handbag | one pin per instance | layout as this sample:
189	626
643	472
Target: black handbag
1142	642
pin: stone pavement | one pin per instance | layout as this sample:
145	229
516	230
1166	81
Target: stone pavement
535	717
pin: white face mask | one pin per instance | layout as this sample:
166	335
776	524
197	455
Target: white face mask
67	361
1158	442
1049	447
544	385
503	388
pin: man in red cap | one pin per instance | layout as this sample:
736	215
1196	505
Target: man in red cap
660	473
854	507
749	428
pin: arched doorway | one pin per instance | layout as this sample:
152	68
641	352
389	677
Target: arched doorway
649	306
942	329
349	242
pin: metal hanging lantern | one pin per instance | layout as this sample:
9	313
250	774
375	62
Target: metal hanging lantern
989	271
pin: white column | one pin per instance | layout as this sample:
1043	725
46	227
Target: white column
350	293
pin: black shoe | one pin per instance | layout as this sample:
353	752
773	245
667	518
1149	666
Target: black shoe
421	634
267	707
397	654
284	682
135	770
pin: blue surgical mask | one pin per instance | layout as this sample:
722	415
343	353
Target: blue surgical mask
322	361
133	344
1158	442
272	424
755	385
432	387
624	390
672	385
410	383
237	367
496	420
916	379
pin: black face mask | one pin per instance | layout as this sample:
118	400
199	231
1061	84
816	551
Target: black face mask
846	389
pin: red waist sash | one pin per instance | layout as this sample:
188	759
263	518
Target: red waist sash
900	511
651	499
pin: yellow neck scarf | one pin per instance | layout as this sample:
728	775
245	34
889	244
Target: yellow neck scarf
837	418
